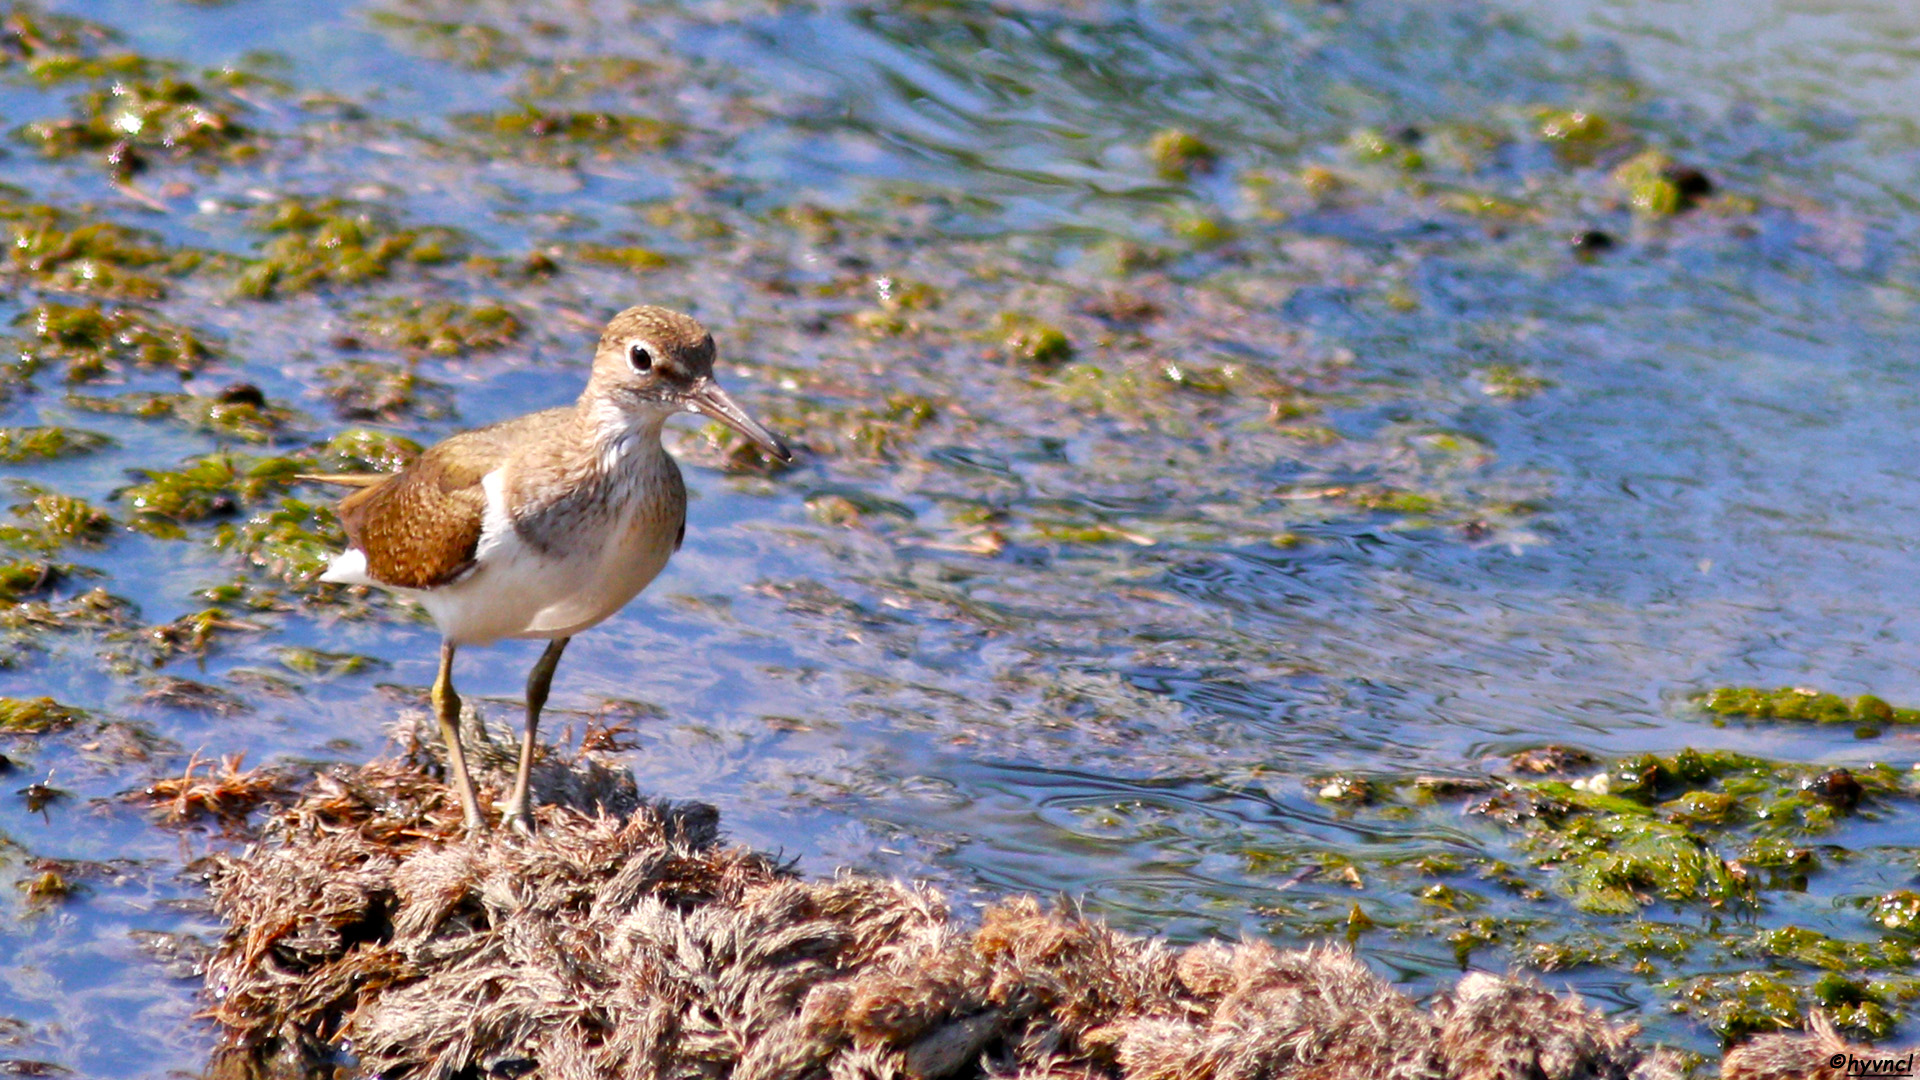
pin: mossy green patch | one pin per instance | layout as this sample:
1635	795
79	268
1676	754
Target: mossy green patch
1033	341
440	327
358	450
53	248
364	389
91	339
638	259
541	130
1507	381
213	486
471	45
51	521
32	716
1177	154
243	416
1898	910
1801	704
18	444
166	115
334	242
316	663
1658	187
1370	145
292	540
1573	126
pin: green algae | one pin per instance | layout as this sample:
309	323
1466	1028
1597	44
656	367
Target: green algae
361	450
1658	187
1370	145
1800	704
320	664
92	340
234	413
1512	383
1709	832
440	327
1898	910
170	115
630	257
470	45
217	485
556	135
51	521
18	444
191	635
30	37
333	242
1177	154
53	248
34	716
1573	126
48	887
292	541
1031	340
362	389
22	578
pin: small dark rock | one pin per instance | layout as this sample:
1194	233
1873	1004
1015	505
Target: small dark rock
346	343
1409	136
1592	241
124	162
243	393
1692	184
1836	787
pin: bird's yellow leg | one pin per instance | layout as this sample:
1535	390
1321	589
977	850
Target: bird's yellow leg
519	812
446	707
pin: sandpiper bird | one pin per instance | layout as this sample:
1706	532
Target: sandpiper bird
544	525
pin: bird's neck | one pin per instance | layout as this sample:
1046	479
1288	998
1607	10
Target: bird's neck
617	439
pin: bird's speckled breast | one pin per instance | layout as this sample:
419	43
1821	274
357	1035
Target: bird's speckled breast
562	551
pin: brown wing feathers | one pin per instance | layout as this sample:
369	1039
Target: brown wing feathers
419	527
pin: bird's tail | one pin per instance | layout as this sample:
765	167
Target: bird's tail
352	480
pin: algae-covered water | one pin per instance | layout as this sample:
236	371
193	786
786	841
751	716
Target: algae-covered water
1232	433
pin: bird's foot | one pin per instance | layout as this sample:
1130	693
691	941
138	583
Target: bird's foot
518	815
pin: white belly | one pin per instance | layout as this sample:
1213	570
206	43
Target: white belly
518	590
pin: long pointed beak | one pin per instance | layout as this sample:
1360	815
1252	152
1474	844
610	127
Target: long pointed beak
708	399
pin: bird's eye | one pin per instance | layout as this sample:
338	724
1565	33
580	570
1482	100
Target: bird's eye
640	357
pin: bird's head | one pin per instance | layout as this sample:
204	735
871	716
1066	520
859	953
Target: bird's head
654	362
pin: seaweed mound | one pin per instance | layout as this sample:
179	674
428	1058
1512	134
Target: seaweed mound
635	943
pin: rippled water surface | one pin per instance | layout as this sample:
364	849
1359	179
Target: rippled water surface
1357	470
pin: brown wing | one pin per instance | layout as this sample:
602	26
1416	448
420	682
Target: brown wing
419	527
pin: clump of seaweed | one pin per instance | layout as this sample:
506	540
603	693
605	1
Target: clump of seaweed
168	115
331	242
1799	703
225	792
625	936
441	327
92	339
238	412
52	248
19	444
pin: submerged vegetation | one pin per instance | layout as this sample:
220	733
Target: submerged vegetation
1157	453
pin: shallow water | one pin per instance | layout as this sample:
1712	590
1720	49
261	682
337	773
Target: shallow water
1183	618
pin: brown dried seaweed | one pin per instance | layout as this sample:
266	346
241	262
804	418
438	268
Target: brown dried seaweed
632	942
